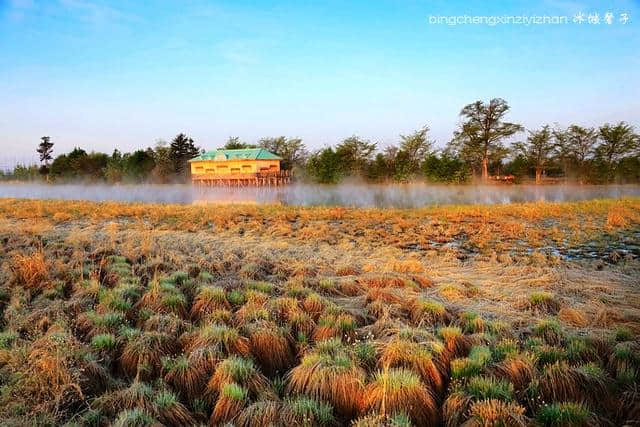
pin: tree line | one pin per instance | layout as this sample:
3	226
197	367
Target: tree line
483	146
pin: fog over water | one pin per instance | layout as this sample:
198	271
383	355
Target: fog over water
357	195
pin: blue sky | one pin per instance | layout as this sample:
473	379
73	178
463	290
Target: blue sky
106	74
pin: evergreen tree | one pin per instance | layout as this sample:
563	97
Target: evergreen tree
45	150
181	150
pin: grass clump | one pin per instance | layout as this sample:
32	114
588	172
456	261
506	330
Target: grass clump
236	297
134	418
465	368
402	353
563	414
7	339
171	411
623	333
232	400
366	354
104	342
455	341
377	420
302	410
456	408
519	369
271	346
224	339
208	300
428	311
331	374
240	371
401	390
260	413
471	322
481	388
543	302
264	287
142	355
550	331
494	412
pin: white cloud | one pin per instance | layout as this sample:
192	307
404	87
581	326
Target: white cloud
22	4
17	9
240	51
94	12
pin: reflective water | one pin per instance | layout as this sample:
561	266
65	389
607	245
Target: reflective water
361	195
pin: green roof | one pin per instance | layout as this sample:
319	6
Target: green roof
242	154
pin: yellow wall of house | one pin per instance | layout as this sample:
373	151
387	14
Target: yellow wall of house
233	166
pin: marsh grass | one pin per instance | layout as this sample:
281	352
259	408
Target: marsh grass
330	373
124	314
400	390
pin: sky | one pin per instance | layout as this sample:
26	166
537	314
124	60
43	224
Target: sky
122	74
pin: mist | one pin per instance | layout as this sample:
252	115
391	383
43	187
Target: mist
351	195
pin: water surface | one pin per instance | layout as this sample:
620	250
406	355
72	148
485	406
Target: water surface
355	195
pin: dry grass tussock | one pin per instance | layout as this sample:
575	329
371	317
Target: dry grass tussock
125	314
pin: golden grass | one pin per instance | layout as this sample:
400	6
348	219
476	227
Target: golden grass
142	355
402	353
399	390
30	270
494	412
271	346
329	373
256	315
518	369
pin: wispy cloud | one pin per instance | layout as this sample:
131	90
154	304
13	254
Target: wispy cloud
568	7
241	51
96	13
17	9
22	4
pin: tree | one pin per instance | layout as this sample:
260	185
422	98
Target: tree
616	142
69	165
79	165
114	172
380	168
562	148
234	143
164	166
582	142
181	150
292	150
45	149
445	168
415	148
138	165
518	167
481	134
354	154
325	166
538	149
